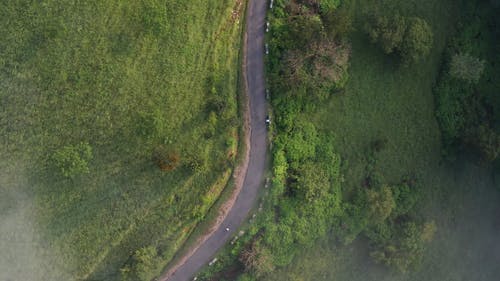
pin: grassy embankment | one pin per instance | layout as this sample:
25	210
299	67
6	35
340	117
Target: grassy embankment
90	91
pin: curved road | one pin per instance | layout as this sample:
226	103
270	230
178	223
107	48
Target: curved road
256	13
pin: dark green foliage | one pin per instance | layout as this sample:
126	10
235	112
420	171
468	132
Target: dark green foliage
324	6
418	40
382	99
387	31
452	98
405	197
327	6
308	201
256	259
143	266
401	246
312	183
308	53
380	204
486	141
73	160
338	22
411	38
467	110
304	28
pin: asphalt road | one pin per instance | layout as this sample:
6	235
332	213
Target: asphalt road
254	179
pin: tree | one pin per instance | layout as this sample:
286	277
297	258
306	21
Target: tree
380	204
466	67
256	259
388	32
428	231
73	160
323	64
412	38
404	248
305	28
486	140
312	182
143	265
338	23
418	40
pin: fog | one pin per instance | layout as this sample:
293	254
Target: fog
22	256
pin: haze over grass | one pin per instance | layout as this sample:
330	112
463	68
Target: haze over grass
122	78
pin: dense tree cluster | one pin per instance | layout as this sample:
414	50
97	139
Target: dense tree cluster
384	214
409	37
308	46
468	109
309	56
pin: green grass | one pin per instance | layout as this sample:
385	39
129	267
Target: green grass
124	78
384	100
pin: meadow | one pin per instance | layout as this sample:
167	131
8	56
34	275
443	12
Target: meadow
118	131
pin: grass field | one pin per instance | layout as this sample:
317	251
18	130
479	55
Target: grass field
123	79
383	100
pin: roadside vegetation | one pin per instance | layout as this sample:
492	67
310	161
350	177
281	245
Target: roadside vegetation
119	125
394	195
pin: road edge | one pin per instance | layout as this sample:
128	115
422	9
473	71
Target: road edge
239	172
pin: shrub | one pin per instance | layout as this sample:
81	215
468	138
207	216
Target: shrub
304	28
164	159
143	265
312	182
418	40
466	67
386	31
256	259
380	204
73	160
328	5
411	38
338	23
486	141
404	248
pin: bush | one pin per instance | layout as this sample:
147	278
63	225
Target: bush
164	159
486	141
380	204
73	160
327	6
304	28
411	38
466	67
312	182
386	31
338	23
256	259
404	247
143	265
418	40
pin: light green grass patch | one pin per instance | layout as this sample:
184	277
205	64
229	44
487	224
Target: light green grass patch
125	78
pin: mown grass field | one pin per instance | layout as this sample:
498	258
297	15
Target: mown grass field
383	100
123	78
